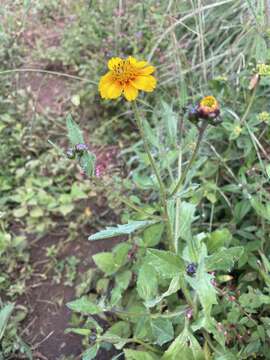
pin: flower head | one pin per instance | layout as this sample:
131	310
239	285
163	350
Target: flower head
263	69
80	148
264	117
208	108
126	76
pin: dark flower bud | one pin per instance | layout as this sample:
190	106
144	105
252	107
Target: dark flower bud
193	115
81	148
191	269
208	108
70	153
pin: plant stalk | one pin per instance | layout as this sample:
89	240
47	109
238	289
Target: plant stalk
163	196
194	154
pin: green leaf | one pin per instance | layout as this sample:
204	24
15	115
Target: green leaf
78	331
117	334
125	229
202	284
224	259
5	313
240	210
20	212
150	135
74	132
170	122
162	330
218	239
261	209
139	355
147	282
153	234
175	285
186	212
65	209
185	346
37	212
122	281
110	262
88	163
84	306
90	353
253	299
166	263
105	261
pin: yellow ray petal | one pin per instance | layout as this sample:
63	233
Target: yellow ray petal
132	60
114	90
114	62
130	92
106	78
141	64
145	83
147	70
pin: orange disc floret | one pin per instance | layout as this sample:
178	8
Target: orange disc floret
127	77
208	108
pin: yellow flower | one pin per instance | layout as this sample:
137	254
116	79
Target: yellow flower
126	76
264	116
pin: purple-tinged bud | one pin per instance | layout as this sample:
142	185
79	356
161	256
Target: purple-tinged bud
81	148
70	153
191	269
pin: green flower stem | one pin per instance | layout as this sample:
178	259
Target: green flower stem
195	152
250	103
177	207
156	171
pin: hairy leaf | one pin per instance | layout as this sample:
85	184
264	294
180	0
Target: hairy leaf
125	229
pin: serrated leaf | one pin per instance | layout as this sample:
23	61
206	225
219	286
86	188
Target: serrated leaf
185	346
147	282
117	334
162	330
85	306
153	234
105	261
224	259
74	132
174	286
166	263
186	214
88	163
125	229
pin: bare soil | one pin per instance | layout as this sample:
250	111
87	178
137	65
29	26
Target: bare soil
48	315
46	301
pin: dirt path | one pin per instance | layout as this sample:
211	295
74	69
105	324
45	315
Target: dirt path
48	315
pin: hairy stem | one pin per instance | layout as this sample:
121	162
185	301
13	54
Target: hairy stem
194	154
156	172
